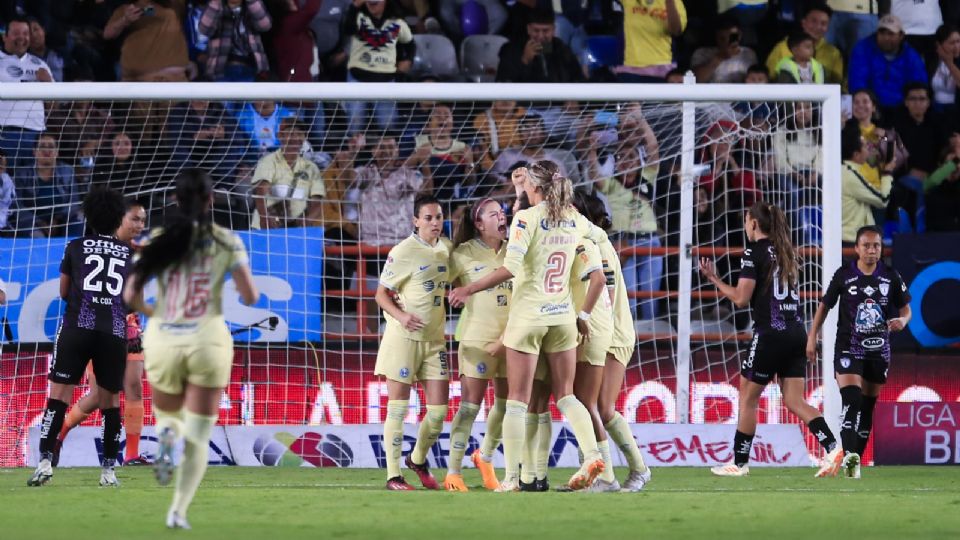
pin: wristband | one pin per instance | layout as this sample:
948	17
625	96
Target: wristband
583	316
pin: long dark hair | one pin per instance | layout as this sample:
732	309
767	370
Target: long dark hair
189	225
773	223
592	208
466	228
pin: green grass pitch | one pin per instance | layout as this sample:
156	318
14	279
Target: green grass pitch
279	504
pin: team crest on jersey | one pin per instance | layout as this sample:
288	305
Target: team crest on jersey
884	288
868	290
869	316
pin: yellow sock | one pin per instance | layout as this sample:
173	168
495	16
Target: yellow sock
620	432
491	439
607	474
196	433
393	435
513	433
528	467
132	425
430	429
460	435
579	419
544	443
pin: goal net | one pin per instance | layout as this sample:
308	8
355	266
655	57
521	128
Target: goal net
318	181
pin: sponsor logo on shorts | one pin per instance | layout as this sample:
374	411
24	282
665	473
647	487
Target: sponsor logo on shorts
404	373
442	355
873	343
845	362
748	363
482	368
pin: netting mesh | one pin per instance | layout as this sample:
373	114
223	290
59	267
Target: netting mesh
319	205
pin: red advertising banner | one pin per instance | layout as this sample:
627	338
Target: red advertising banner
918	433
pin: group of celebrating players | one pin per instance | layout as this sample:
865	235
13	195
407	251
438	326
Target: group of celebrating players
545	312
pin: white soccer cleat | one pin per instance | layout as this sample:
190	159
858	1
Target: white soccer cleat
636	481
108	478
508	485
42	475
830	465
176	521
602	486
731	469
163	465
851	466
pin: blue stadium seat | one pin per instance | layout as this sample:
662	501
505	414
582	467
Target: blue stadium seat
480	56
602	51
436	56
474	19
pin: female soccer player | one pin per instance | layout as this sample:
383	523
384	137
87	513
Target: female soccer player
92	276
413	349
543	245
769	274
187	344
875	302
479	247
618	355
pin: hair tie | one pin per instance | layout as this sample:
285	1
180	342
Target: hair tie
476	211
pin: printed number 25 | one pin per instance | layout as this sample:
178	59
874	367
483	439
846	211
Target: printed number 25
553	278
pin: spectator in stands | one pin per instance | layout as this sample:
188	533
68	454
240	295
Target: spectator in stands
81	127
883	63
540	56
292	42
533	149
326	31
260	120
450	165
153	47
746	14
339	228
38	48
945	71
815	22
921	18
731	186
288	189
8	199
202	134
418	12
851	22
800	67
726	61
120	169
235	51
497	128
649	28
798	160
942	189
674	76
924	135
381	50
47	194
20	121
858	196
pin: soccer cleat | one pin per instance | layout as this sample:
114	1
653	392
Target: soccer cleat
585	477
140	460
454	482
487	472
731	469
176	521
509	485
163	466
423	472
830	465
528	488
602	486
108	478
543	484
851	465
42	475
636	481
398	483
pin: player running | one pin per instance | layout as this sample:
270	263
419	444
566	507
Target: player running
188	348
131	227
410	293
479	247
874	302
768	284
542	246
92	275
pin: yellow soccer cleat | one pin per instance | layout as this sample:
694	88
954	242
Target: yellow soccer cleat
454	482
487	472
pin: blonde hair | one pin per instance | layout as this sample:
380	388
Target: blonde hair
557	189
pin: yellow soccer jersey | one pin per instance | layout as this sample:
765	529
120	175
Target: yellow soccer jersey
587	260
485	314
417	272
624	333
189	294
543	252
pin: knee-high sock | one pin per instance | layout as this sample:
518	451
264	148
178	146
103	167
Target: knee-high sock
852	398
75	416
169	419
429	432
528	467
132	424
619	431
196	433
866	422
544	440
50	426
111	434
514	429
818	426
491	439
607	474
393	435
460	435
579	419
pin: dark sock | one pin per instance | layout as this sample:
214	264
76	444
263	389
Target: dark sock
818	426
866	422
852	398
50	426
111	433
741	448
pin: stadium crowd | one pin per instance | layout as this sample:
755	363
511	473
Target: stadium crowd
350	166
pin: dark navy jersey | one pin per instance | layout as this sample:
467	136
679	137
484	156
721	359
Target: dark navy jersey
98	267
775	305
867	302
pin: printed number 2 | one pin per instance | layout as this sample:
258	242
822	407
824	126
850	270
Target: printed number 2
556	268
92	283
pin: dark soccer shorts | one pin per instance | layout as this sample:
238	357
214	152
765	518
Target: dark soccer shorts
75	347
872	367
776	353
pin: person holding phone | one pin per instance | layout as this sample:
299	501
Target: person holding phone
153	48
541	58
726	61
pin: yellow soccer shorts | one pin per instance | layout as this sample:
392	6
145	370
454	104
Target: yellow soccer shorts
407	361
594	351
536	339
622	354
202	358
476	363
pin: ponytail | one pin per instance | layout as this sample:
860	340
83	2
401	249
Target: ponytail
466	228
557	189
773	223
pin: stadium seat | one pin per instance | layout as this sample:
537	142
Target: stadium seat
474	19
657	327
480	56
435	56
602	51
